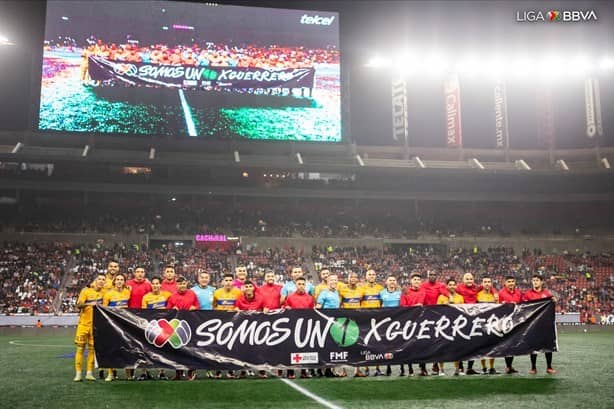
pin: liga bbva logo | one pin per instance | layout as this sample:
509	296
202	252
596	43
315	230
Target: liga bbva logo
176	332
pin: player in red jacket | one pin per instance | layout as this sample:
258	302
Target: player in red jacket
183	299
509	294
270	292
414	297
538	292
433	289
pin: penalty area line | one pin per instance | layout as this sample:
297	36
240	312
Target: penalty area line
310	395
21	344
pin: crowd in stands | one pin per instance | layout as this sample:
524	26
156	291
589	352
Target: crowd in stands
30	274
212	54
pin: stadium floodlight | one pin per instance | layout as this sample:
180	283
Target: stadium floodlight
237	157
469	65
522	67
550	67
435	64
86	150
360	161
606	63
377	62
605	163
299	158
17	147
152	153
579	66
4	40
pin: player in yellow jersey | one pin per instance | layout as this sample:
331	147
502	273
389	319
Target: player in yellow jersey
351	296
155	300
88	297
371	299
225	299
118	297
487	295
112	270
453	298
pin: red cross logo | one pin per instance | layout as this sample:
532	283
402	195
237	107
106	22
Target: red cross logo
297	358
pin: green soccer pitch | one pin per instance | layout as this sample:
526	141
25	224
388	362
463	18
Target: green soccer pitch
37	368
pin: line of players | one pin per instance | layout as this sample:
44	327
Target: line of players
238	293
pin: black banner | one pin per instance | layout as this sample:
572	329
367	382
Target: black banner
188	76
316	338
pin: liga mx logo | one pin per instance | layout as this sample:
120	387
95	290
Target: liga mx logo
345	332
176	332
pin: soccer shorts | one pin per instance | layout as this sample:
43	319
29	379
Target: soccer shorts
84	335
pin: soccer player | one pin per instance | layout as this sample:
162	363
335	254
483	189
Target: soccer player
155	300
510	294
249	300
112	270
241	277
538	292
330	298
204	291
487	295
469	291
183	299
452	298
88	297
169	283
433	289
225	299
351	297
414	297
117	297
290	286
139	286
371	299
299	299
270	292
391	298
324	273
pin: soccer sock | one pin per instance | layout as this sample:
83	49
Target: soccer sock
549	359
491	363
533	361
91	355
79	360
483	363
470	365
508	361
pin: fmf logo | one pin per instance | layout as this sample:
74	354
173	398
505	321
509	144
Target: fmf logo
176	332
317	20
566	16
341	356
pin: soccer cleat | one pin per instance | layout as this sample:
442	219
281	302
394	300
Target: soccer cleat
77	378
329	373
210	375
291	376
230	375
359	374
532	371
109	377
251	373
378	373
484	371
320	373
366	371
441	373
218	375
423	372
242	375
550	371
163	376
458	372
471	372
90	377
262	375
510	371
178	376
191	375
493	371
435	368
402	373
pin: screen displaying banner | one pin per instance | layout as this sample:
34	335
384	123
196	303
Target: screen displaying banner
316	338
454	136
188	69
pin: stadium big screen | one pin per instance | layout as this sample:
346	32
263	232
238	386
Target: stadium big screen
187	69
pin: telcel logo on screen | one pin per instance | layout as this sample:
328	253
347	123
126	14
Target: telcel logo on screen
317	20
